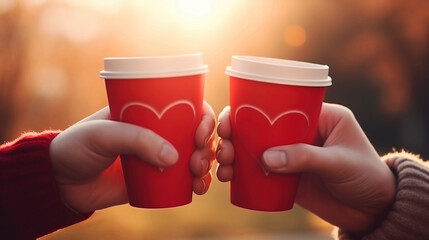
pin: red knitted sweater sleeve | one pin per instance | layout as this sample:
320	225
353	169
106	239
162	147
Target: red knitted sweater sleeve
30	204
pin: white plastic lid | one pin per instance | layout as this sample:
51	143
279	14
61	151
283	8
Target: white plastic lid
153	67
280	71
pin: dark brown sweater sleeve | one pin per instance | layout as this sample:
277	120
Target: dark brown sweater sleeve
30	204
408	217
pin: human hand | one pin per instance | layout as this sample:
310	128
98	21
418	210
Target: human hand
87	168
343	179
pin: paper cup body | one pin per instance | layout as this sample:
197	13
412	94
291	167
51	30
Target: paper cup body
273	102
165	95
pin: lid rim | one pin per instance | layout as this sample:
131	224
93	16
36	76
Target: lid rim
280	80
136	74
277	62
279	71
153	66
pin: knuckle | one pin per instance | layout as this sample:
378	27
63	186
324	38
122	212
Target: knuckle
346	112
300	156
145	137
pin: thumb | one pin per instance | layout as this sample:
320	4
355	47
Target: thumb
113	138
299	157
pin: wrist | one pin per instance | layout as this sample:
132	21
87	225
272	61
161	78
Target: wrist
407	215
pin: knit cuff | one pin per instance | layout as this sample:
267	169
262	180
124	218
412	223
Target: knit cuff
409	215
30	203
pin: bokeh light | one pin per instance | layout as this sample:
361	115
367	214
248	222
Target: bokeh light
295	35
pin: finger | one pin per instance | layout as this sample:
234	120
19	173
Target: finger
101	114
297	158
225	152
336	117
224	173
337	126
121	138
202	185
224	126
200	162
206	127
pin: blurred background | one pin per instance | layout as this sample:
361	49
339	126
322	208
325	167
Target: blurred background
51	52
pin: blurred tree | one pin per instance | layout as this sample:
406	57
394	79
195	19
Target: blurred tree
379	63
12	51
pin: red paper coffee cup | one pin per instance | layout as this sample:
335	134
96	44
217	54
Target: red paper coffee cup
164	94
273	102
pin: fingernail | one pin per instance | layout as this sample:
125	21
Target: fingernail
168	154
203	187
218	149
204	184
208	138
206	141
204	166
275	159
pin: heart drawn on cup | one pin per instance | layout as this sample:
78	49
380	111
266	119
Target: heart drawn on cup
257	131
175	122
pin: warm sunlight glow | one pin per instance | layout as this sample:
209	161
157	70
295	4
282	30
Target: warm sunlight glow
295	35
75	25
6	5
110	6
194	9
